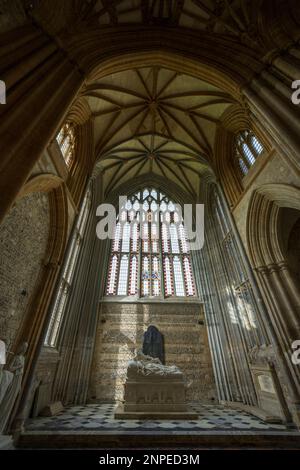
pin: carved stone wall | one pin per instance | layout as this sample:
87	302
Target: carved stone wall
120	332
23	241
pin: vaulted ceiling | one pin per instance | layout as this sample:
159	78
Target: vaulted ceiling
154	120
234	17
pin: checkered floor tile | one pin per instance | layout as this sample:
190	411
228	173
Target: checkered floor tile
100	417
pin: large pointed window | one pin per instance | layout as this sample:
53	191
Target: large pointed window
247	149
150	254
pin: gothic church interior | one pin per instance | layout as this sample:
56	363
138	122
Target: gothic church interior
173	104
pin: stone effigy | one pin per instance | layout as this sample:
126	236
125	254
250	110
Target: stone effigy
154	390
148	366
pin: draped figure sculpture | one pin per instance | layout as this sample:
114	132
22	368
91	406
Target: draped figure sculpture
11	390
143	365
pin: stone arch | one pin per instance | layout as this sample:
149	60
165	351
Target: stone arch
262	222
279	290
189	64
171	188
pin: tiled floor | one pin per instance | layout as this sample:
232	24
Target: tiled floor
100	417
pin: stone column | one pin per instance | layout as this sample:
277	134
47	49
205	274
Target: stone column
269	98
76	342
41	83
229	339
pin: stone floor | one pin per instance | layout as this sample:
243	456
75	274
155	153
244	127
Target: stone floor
100	417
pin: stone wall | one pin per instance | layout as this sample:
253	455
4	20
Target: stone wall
23	240
120	332
277	170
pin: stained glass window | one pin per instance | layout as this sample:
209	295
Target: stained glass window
150	255
66	140
247	149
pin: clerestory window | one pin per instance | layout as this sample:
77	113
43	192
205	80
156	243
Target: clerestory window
247	149
66	140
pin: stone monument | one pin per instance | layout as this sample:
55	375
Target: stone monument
10	391
267	385
153	390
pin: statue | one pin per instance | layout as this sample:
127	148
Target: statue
153	343
5	375
10	395
147	366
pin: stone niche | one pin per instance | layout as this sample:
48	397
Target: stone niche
120	334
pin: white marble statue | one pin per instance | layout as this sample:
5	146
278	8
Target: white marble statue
12	381
150	366
5	375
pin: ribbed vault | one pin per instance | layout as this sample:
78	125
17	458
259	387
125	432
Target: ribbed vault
232	17
154	120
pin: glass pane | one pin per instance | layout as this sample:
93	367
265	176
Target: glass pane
183	241
145	237
66	141
188	277
163	206
155	276
116	243
168	277
135	238
243	166
133	276
154	238
178	278
165	239
174	239
256	144
126	237
123	276
112	276
146	276
248	154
